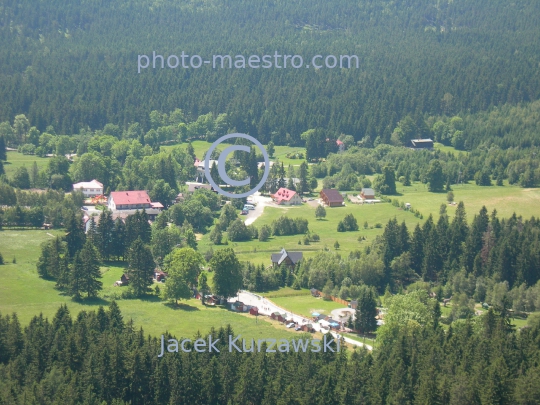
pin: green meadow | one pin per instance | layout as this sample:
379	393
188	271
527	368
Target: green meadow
259	252
505	199
16	160
23	292
201	147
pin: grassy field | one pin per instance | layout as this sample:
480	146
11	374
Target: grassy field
301	302
451	149
259	252
16	160
23	292
201	147
505	199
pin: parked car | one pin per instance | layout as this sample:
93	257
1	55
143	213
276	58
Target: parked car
298	328
291	325
244	212
249	207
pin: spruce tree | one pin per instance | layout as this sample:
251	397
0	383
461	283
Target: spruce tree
366	310
63	277
118	245
91	274
141	268
3	154
75	236
76	277
104	235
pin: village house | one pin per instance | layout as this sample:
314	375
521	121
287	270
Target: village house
284	196
89	188
367	194
288	258
196	186
331	197
128	202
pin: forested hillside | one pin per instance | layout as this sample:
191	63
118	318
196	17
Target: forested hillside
74	65
100	358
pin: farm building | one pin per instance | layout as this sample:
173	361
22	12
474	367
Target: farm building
367	194
284	196
331	197
254	311
353	304
315	292
418	144
288	258
124	279
277	316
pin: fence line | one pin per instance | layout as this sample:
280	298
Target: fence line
335	299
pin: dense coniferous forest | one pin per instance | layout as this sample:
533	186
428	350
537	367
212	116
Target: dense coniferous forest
100	358
74	65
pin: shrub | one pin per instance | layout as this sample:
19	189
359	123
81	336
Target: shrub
289	226
238	231
264	233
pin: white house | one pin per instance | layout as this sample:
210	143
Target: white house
89	188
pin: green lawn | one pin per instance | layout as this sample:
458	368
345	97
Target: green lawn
201	147
16	160
281	154
505	199
304	304
22	291
451	149
259	252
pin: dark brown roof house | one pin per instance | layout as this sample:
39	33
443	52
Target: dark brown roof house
331	197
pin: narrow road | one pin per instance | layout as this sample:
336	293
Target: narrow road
266	307
260	202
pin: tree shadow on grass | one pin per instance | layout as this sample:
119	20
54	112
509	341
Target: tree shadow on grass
93	301
181	307
150	298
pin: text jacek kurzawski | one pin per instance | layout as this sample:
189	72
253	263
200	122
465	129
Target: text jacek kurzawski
240	345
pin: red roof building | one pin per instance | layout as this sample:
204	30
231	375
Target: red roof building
129	200
284	196
331	197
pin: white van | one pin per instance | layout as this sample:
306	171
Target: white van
249	207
